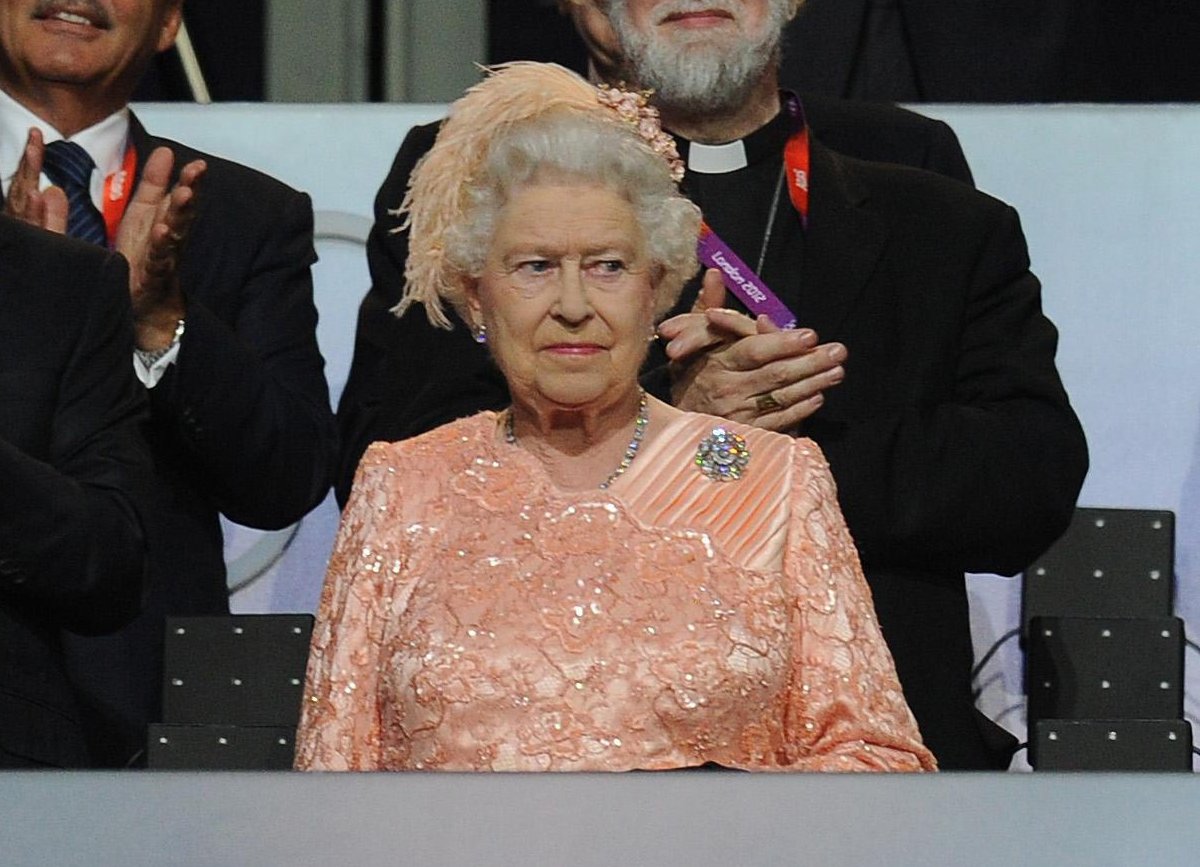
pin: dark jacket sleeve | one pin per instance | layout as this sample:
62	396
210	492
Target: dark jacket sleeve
71	540
972	458
407	376
246	403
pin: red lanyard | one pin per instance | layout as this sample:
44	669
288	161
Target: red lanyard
118	189
796	158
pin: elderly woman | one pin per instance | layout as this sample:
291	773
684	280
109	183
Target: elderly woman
591	579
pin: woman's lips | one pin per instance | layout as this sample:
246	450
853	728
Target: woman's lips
574	349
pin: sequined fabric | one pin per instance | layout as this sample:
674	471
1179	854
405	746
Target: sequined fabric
474	617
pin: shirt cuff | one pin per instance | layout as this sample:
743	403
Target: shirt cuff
151	364
151	373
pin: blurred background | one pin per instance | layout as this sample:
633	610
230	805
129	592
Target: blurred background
948	51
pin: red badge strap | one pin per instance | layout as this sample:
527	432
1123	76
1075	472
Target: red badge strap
796	158
118	189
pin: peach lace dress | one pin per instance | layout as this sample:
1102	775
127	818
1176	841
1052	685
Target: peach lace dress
475	617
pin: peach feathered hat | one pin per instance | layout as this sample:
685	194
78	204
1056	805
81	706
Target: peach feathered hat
510	93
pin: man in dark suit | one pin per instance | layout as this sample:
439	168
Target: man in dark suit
223	316
73	469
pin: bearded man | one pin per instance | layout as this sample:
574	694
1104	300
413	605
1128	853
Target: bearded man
224	322
931	387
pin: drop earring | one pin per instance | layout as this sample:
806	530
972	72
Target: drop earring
480	333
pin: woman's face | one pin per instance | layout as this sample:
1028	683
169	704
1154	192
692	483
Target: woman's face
567	295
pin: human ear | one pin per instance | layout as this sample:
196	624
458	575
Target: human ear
472	304
169	28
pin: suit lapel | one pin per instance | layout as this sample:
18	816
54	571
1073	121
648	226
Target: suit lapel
843	244
142	145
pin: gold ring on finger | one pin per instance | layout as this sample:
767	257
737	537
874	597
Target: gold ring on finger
767	403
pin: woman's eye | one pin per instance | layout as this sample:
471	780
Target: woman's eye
534	266
610	266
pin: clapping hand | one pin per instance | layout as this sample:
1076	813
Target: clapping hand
727	364
151	237
47	208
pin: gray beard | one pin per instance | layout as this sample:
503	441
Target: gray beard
699	76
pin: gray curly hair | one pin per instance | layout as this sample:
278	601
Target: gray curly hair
569	147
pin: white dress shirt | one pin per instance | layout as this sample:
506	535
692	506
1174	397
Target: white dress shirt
105	142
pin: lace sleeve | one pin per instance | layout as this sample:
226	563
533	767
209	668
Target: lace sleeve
846	710
340	722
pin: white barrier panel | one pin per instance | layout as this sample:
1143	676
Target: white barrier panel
666	819
1110	200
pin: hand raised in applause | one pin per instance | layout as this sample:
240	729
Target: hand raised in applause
726	364
47	208
151	236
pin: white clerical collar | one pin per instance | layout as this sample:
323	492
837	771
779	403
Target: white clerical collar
104	141
716	159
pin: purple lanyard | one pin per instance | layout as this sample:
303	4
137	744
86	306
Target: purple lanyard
739	277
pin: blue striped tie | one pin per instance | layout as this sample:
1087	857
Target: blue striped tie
68	165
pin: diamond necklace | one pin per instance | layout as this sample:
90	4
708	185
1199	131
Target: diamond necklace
631	450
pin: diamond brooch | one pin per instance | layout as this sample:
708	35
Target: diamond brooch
722	455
